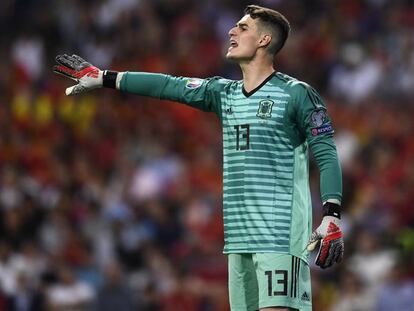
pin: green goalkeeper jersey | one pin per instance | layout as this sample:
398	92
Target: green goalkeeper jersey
266	136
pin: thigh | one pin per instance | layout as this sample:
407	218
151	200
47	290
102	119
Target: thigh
283	281
243	289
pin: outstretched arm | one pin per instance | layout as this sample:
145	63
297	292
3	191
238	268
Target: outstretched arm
198	93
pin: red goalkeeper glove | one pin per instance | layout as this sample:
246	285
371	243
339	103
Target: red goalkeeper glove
88	76
329	235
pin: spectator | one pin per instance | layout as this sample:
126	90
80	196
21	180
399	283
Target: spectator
69	293
371	262
398	291
105	174
353	295
115	293
27	297
356	77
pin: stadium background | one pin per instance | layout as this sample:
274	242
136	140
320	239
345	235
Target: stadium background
113	202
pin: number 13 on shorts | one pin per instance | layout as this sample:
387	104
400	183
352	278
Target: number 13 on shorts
269	280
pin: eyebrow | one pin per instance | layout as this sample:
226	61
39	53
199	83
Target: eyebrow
242	25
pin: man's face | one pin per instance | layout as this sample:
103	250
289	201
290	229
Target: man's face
244	40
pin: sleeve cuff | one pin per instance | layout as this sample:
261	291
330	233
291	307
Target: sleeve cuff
335	201
118	80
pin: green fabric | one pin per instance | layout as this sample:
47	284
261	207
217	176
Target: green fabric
265	280
178	89
266	137
298	121
258	171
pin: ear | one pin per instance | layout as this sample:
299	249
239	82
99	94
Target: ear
265	40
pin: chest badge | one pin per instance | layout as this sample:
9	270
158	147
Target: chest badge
265	109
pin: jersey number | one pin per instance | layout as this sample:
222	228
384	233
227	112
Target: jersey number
281	280
278	280
242	136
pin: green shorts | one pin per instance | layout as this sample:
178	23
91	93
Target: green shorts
268	280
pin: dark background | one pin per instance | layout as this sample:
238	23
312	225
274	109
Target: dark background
113	202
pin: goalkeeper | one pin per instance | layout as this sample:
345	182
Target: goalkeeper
270	121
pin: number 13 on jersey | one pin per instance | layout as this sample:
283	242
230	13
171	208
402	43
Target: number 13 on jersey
242	136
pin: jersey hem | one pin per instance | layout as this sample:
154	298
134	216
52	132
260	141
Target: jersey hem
301	256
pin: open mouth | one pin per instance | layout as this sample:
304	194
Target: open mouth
233	44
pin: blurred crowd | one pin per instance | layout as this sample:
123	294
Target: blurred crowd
113	202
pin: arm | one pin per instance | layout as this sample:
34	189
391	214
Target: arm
202	94
198	93
326	157
317	128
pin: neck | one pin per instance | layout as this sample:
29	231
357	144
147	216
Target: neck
255	72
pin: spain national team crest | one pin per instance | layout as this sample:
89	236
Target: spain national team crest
265	109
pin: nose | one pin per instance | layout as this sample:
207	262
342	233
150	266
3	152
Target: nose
232	32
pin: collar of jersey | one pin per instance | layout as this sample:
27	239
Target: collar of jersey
248	94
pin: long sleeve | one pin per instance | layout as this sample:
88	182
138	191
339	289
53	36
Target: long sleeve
317	128
202	94
325	154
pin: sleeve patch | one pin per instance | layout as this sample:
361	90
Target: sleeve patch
193	83
318	118
323	129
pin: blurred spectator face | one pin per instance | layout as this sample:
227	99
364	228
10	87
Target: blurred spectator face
367	243
244	40
352	55
113	274
23	281
12	220
28	55
4	251
9	195
66	276
350	283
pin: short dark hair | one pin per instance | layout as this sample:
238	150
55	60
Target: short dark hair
275	20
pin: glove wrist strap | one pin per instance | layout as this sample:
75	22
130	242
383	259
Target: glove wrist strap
109	79
332	209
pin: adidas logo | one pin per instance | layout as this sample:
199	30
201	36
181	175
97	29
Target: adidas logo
332	228
305	296
229	110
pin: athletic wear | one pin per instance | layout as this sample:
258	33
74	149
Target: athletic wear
268	280
266	136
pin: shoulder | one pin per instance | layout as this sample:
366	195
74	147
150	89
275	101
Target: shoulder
220	81
292	85
300	90
217	82
223	85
